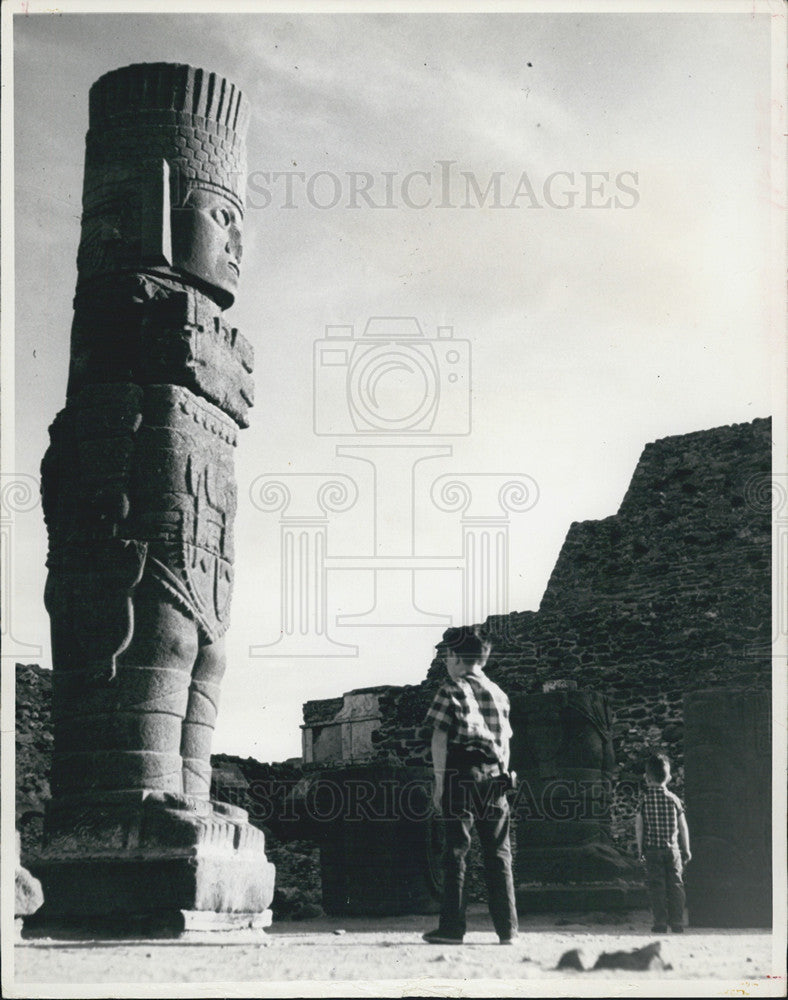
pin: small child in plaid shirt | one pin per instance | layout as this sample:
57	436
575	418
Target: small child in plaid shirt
469	717
660	827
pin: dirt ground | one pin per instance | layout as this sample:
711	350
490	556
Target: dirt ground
296	958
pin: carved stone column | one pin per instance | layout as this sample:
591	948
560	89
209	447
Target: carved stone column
728	795
562	750
139	499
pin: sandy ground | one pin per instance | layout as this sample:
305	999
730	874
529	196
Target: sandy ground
721	962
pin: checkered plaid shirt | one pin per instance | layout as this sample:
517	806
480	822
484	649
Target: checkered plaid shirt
474	713
660	810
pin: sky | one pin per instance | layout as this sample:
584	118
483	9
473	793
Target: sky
613	288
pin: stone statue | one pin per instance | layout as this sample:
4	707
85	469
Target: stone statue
138	486
562	751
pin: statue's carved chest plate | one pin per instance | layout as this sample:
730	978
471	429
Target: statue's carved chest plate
146	330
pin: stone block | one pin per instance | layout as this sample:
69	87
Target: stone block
189	925
380	846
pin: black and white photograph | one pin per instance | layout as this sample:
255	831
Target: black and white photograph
394	499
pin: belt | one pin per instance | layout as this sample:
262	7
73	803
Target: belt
469	756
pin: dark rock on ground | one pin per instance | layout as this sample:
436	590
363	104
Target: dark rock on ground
637	960
571	960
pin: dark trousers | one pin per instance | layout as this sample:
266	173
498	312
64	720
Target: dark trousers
470	798
664	872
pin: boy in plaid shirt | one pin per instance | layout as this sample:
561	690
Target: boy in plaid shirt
660	826
469	717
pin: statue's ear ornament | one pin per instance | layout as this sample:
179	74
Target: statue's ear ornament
156	241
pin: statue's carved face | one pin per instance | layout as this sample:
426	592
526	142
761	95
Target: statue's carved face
207	241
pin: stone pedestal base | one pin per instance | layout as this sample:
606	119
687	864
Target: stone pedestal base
567	864
555	898
152	860
580	878
162	925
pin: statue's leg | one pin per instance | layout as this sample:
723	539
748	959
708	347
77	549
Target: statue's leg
123	732
200	719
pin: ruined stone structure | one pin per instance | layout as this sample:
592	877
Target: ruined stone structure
340	729
669	596
139	499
